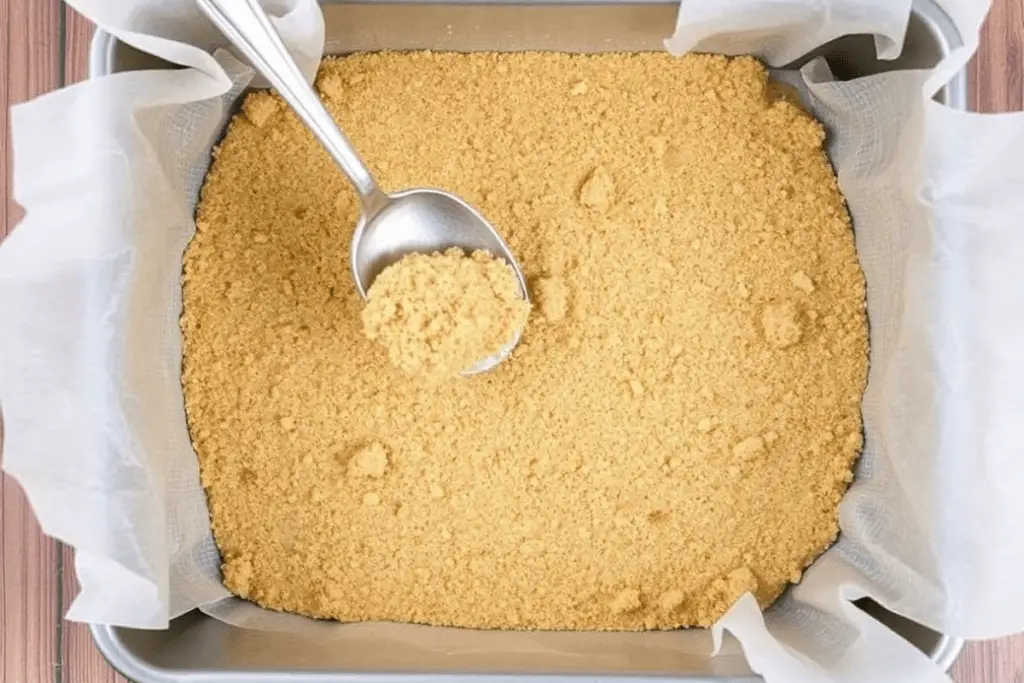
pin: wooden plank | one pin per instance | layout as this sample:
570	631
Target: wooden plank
994	661
31	36
997	72
77	34
28	561
5	151
28	593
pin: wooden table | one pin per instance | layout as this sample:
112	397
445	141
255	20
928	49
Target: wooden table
43	46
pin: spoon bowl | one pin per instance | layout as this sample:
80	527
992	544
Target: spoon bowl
424	221
427	221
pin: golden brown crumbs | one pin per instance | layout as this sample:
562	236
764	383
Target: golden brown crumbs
802	282
672	600
626	601
749	448
440	314
643	458
552	296
258	110
782	327
369	461
598	189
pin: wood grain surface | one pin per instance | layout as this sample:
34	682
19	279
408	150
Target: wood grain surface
29	605
43	46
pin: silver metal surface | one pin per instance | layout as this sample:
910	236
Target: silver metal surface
390	225
198	649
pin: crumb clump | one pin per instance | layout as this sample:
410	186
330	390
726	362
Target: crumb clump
370	461
439	314
782	327
681	428
260	108
671	600
749	448
802	282
626	601
552	298
598	189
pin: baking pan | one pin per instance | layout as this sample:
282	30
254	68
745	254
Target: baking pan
196	648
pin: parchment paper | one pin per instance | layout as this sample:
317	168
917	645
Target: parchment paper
933	527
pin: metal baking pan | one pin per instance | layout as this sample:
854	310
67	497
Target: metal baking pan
196	648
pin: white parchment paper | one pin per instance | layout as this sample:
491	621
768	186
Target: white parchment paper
933	527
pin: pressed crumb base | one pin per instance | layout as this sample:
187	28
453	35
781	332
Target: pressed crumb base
679	421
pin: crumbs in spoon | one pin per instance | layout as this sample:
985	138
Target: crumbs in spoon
439	314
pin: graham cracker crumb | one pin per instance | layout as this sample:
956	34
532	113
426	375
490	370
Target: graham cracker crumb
671	600
659	145
626	601
781	322
855	442
531	496
238	570
260	107
802	282
733	585
552	298
439	314
331	86
660	207
370	461
749	448
598	189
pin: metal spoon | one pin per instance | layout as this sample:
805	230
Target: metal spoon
391	225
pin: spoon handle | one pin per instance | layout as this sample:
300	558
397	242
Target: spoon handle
247	26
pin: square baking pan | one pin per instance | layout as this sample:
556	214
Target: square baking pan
196	648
